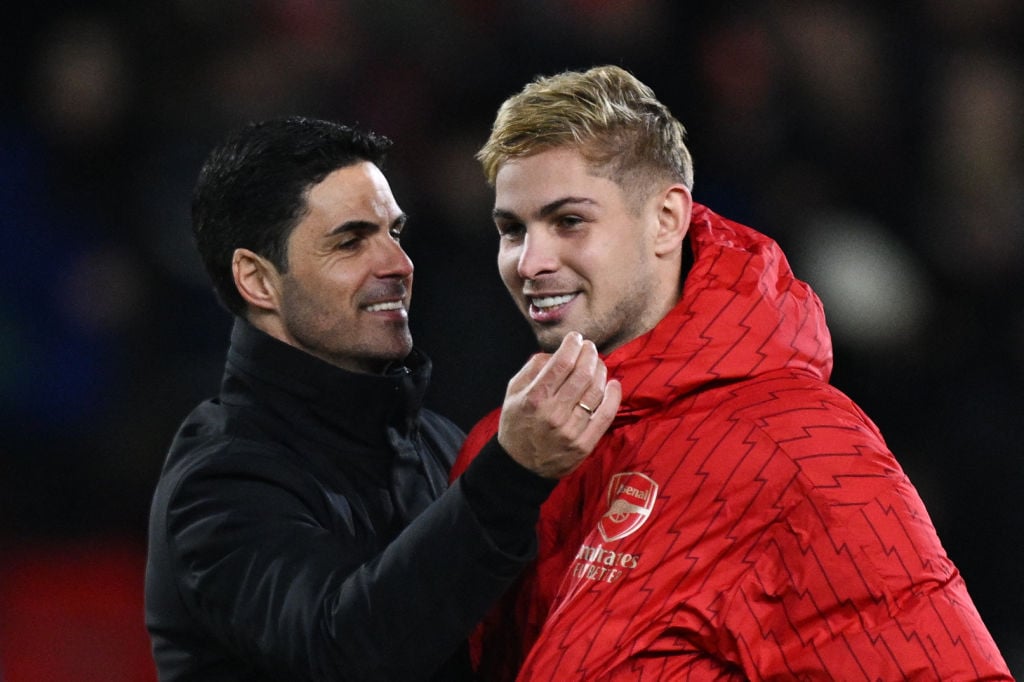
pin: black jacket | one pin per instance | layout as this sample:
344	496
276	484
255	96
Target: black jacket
294	532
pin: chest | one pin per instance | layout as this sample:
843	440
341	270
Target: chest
651	495
370	494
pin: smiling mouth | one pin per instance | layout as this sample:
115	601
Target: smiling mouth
386	305
549	309
546	303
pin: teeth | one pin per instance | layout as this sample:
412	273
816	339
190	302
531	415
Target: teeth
551	301
388	305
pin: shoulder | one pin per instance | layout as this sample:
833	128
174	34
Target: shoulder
807	417
801	429
220	438
222	456
790	407
824	450
206	469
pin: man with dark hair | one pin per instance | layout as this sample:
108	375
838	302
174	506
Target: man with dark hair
741	519
302	528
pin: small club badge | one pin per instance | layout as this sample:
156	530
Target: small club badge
631	498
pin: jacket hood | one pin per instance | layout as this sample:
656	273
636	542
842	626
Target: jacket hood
742	314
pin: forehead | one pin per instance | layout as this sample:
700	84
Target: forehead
357	192
535	180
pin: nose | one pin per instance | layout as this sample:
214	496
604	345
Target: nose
393	260
537	254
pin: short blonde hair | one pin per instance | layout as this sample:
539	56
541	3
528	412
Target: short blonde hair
605	113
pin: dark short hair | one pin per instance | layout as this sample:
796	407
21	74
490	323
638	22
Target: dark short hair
251	191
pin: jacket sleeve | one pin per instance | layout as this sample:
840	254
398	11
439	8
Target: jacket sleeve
498	643
275	586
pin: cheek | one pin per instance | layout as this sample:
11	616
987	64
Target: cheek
508	266
344	278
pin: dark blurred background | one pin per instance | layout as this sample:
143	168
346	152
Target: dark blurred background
881	143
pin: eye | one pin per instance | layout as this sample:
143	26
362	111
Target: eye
570	221
398	228
349	243
510	230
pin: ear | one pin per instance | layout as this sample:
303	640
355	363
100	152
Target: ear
256	279
674	208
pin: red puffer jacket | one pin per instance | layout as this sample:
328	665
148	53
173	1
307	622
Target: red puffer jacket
742	519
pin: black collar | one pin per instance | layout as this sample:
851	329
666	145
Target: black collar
302	386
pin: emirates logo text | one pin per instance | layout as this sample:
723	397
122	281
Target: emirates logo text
631	497
598	563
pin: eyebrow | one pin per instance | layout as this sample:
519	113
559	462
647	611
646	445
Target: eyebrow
545	210
357	225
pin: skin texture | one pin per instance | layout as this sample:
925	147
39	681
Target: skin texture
570	238
344	262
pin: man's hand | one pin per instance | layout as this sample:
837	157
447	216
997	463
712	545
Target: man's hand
557	407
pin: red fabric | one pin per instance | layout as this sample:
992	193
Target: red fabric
481	433
74	611
761	529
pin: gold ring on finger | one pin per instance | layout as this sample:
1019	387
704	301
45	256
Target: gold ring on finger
586	408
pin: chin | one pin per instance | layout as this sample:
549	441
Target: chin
548	339
397	353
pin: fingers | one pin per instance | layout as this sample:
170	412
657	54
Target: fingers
544	373
593	392
564	364
571	383
557	407
603	416
528	372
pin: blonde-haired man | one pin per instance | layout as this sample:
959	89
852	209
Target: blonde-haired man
741	519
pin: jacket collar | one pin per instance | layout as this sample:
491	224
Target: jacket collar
742	314
302	386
